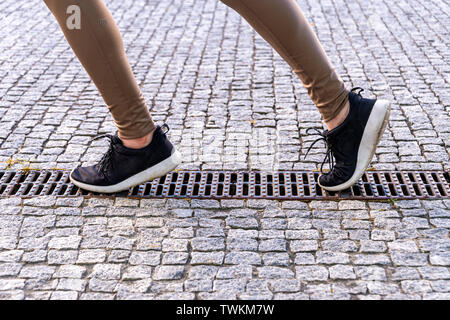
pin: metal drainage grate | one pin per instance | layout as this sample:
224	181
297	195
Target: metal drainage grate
292	185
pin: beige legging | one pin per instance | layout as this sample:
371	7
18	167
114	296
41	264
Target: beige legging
95	38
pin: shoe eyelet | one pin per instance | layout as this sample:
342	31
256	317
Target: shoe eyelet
165	128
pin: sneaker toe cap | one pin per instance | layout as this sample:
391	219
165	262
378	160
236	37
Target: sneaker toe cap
76	174
326	180
331	180
87	175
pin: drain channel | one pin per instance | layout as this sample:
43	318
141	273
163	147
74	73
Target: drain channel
287	185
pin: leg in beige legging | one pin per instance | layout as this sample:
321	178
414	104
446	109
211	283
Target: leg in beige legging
98	45
283	25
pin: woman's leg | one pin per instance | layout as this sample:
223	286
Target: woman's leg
142	151
355	124
283	25
95	38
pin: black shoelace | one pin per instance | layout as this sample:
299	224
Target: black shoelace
359	92
329	155
105	162
329	143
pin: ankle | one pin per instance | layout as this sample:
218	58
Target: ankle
340	117
138	143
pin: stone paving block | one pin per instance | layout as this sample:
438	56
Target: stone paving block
291	296
284	285
38	295
303	245
342	272
335	234
440	285
238	271
137	272
434	273
359	234
232	203
106	271
98	285
440	258
151	258
207	244
166	286
11	284
242	233
70	271
175	258
274	272
414	286
91	256
409	258
40	284
12	295
8	242
41	272
372	259
96	296
271	234
243	223
174	245
71	284
339	245
401	296
243	257
403	245
272	245
11	255
202	272
242	244
330	257
436	296
280	259
198	285
134	286
230	285
118	256
71	242
371	246
351	287
257	286
213	258
299	223
61	257
382	288
118	242
312	273
64	295
302	234
218	295
257	296
182	233
210	232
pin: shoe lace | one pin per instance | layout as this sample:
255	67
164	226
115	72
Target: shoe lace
329	143
329	154
359	92
106	162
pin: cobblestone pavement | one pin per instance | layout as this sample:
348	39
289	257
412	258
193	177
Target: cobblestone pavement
223	90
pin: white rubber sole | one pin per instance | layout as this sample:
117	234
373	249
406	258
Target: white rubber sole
154	172
378	120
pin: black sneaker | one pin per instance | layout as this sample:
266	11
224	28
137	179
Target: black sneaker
122	168
351	145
